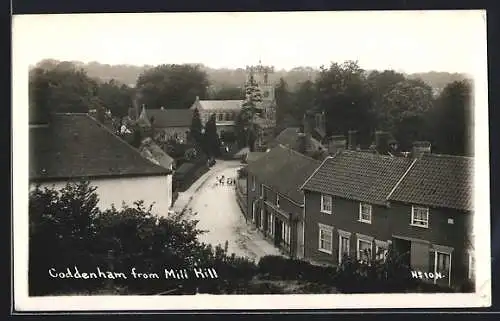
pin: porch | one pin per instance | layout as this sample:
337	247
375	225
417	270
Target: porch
429	262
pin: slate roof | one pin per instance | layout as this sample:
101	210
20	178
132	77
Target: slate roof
289	137
76	146
358	176
438	181
284	170
228	105
164	118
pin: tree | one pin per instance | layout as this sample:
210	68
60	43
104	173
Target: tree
403	111
304	99
172	86
344	96
196	128
79	234
228	93
116	97
211	138
449	122
64	88
283	104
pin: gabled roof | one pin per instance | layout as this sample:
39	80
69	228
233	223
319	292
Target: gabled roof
212	105
164	118
439	181
284	170
77	146
358	176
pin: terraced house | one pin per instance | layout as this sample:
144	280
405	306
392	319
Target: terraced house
274	200
357	203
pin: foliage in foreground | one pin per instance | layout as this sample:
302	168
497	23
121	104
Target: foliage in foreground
68	230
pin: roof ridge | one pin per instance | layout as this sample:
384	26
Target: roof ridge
401	178
123	141
448	156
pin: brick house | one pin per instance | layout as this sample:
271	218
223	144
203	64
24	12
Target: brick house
72	147
274	201
358	203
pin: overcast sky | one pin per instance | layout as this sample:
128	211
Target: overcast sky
415	41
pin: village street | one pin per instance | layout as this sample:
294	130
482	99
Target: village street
217	210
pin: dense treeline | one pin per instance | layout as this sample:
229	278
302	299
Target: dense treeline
233	78
351	98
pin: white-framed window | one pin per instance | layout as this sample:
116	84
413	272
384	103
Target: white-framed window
277	200
326	204
365	213
364	248
325	238
253	184
472	266
420	216
344	244
440	263
381	250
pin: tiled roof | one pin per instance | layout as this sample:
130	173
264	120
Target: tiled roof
284	170
155	154
164	118
75	145
358	176
219	105
439	181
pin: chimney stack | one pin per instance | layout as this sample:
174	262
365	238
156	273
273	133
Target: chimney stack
382	141
351	139
420	148
337	143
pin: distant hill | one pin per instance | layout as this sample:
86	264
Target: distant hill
128	74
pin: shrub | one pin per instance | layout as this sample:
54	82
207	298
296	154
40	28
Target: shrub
79	234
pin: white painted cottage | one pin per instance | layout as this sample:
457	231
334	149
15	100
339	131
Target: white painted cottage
72	147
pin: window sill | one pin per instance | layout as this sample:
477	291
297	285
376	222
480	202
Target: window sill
364	221
326	212
421	226
325	251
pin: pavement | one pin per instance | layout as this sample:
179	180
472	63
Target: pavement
217	211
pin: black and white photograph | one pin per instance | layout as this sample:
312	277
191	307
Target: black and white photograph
237	160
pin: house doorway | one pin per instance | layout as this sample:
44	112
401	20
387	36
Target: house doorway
402	251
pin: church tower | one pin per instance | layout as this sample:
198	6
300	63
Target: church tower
259	75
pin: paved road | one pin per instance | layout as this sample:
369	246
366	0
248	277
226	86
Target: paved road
219	214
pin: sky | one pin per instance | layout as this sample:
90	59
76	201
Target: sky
411	41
